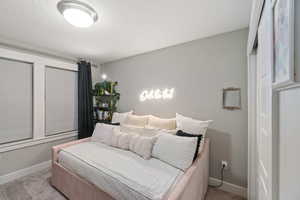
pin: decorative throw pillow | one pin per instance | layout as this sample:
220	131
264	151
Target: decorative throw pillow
131	129
138	144
150	132
124	141
175	150
147	132
192	126
199	138
142	145
103	133
115	138
136	120
120	140
160	123
171	131
120	117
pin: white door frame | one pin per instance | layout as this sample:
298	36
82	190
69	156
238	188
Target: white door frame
252	150
252	102
257	8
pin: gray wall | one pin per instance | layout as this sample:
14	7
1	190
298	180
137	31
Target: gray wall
26	157
96	75
198	71
12	161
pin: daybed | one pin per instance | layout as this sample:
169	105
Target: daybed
82	183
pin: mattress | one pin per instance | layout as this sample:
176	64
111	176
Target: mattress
122	174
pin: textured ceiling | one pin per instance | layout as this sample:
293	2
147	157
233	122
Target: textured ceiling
125	28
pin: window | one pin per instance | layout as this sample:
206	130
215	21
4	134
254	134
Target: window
60	101
16	100
38	103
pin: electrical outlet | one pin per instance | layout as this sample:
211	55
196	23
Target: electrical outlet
225	164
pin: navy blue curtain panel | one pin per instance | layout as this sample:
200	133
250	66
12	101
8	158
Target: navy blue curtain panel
85	100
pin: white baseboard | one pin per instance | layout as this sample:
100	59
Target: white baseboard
24	172
229	187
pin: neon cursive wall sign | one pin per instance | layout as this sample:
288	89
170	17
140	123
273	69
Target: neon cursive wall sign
157	94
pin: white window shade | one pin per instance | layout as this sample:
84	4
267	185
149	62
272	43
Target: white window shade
61	101
16	100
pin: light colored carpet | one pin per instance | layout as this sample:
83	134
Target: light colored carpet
36	187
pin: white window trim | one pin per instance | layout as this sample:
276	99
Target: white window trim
39	64
32	142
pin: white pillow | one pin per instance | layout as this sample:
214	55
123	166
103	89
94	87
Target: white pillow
124	141
120	140
103	133
136	120
131	129
115	138
174	150
192	126
171	131
142	145
156	122
136	143
120	117
148	132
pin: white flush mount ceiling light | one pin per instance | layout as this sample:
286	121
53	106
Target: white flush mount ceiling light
77	13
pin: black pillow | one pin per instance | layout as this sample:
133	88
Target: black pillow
114	124
184	134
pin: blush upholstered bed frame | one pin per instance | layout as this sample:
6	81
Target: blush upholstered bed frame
192	186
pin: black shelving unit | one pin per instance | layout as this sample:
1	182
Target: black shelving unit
106	101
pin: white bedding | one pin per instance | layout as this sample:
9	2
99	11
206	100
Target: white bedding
122	174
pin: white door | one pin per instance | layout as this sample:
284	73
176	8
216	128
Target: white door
264	104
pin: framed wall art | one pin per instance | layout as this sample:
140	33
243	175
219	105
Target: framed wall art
232	98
